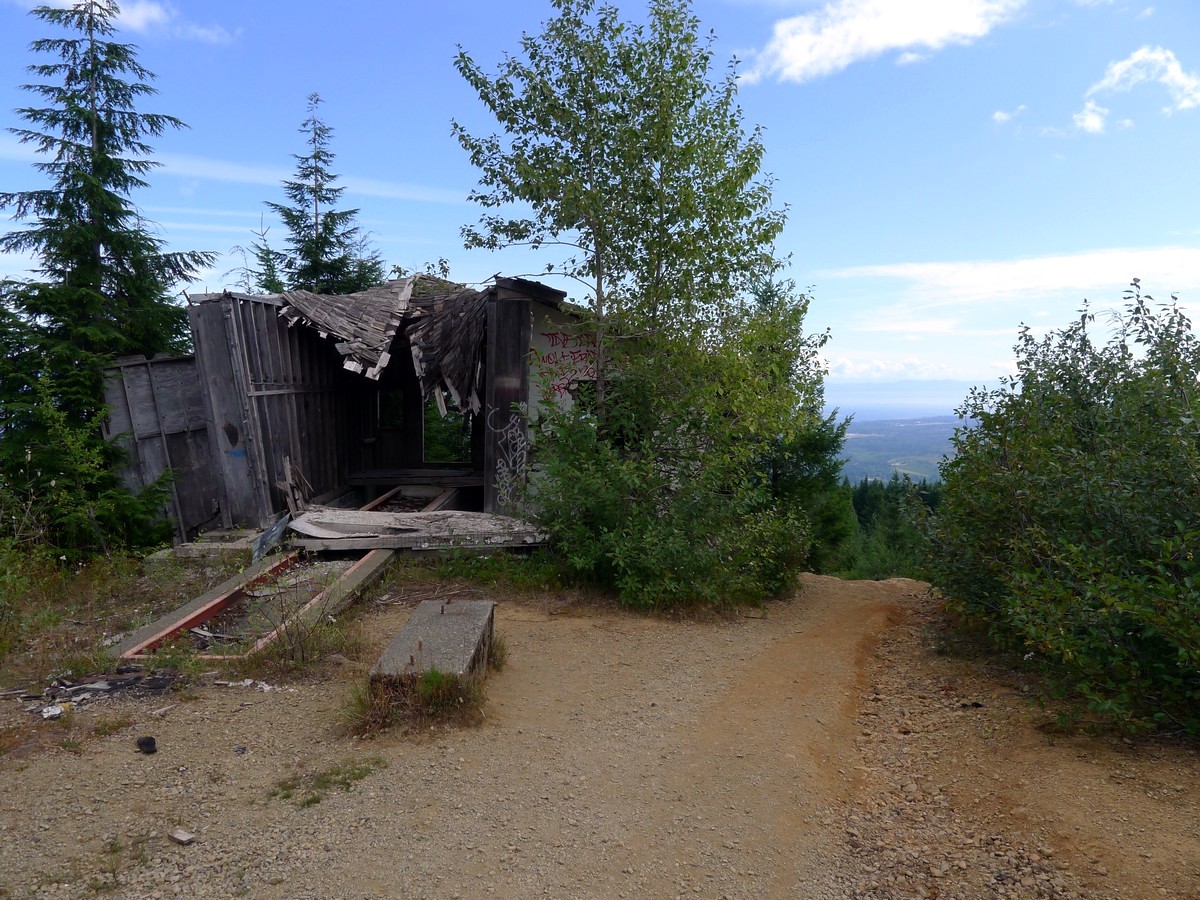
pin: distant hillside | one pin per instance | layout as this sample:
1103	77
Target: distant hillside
878	447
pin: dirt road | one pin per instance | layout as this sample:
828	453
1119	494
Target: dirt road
817	749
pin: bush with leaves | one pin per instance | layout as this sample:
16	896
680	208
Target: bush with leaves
1070	515
704	482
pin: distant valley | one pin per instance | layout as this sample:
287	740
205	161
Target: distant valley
876	448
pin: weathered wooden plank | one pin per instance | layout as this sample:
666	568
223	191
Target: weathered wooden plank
200	609
417	542
506	440
224	401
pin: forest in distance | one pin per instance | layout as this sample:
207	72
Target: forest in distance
879	448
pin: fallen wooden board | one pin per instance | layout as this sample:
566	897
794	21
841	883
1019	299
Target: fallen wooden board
200	610
330	602
453	637
343	529
411	542
312	529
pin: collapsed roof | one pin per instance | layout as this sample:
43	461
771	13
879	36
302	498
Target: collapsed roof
443	321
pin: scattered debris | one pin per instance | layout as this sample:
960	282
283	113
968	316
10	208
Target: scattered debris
62	694
182	837
270	538
248	682
159	713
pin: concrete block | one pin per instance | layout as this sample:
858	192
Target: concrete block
453	637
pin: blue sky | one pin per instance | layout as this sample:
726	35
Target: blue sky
952	168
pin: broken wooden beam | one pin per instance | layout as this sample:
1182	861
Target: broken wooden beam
146	639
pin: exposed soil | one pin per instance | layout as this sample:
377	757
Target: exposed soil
821	748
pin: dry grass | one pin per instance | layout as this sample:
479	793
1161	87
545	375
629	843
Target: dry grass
58	623
414	703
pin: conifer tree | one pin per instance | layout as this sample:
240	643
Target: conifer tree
327	251
103	281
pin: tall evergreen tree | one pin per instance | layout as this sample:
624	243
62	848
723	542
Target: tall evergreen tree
327	252
104	282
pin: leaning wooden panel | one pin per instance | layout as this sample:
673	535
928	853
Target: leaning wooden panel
224	400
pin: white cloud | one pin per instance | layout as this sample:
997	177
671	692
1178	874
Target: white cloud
1152	64
843	32
968	284
1000	116
142	15
241	173
154	17
876	366
1091	118
1146	13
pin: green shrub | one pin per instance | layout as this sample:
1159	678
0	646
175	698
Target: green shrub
1071	514
702	478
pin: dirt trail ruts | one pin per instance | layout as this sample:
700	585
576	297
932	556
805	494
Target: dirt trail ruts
801	751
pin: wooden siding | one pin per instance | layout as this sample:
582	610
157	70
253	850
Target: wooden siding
156	412
506	439
276	392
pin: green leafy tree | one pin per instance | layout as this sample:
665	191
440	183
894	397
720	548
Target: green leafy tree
1068	522
327	252
621	150
693	471
104	281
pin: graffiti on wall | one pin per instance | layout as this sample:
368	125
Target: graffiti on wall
564	359
512	454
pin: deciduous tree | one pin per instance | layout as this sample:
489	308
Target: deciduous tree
622	149
686	477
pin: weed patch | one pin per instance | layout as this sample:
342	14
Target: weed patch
54	617
111	725
414	702
497	653
309	790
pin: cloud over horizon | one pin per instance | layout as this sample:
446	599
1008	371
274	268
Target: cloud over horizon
943	285
154	17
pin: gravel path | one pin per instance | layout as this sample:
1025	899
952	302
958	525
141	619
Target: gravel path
810	751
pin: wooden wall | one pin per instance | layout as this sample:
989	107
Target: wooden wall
156	412
506	391
276	392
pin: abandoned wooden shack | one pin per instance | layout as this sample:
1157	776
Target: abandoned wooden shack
304	395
